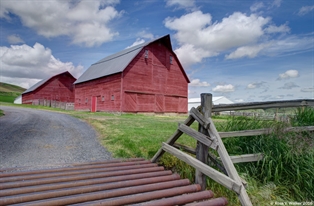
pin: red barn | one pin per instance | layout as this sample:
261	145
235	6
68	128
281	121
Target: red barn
57	88
144	78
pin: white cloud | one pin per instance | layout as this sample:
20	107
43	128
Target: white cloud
224	88
86	22
189	54
14	39
289	44
256	85
22	82
305	9
196	32
278	29
21	62
255	7
289	85
137	42
197	82
182	4
246	51
276	3
288	74
145	34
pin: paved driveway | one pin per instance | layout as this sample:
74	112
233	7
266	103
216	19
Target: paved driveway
30	137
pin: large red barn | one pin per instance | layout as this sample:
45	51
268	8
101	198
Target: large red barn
56	88
144	78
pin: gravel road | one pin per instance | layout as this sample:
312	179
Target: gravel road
40	139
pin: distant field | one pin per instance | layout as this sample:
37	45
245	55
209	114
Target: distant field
9	92
5	98
4	87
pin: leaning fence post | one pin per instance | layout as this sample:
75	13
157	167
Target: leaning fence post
201	149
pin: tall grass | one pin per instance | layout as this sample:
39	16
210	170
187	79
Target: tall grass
286	172
303	117
288	161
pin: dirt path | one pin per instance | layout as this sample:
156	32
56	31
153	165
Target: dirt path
30	137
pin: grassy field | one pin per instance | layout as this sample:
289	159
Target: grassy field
285	174
9	92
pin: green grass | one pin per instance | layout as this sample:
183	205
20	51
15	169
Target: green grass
285	173
7	98
9	92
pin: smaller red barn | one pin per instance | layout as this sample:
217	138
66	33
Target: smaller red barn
57	88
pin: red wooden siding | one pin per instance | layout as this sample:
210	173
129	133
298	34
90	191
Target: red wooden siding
58	88
162	85
151	84
106	89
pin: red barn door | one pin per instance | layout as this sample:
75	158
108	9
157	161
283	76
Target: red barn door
94	104
160	108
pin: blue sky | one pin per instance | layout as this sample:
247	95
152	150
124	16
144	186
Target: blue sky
244	50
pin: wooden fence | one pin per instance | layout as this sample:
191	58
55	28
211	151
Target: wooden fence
208	138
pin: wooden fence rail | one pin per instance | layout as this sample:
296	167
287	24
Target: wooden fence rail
263	105
208	137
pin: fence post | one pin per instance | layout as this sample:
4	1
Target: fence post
201	149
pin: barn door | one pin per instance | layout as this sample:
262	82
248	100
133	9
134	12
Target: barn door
159	103
94	104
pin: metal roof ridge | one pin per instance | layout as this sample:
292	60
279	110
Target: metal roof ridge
43	81
129	50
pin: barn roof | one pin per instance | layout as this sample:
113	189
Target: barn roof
117	62
38	84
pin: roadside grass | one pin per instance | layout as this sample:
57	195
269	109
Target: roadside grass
285	174
1	113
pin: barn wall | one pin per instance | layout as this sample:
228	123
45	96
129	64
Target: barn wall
154	84
106	89
27	98
59	88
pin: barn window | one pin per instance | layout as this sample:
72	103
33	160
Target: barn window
112	97
103	98
171	58
146	53
86	100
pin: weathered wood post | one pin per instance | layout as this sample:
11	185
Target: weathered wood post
201	149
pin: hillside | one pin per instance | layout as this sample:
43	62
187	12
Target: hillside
8	92
4	87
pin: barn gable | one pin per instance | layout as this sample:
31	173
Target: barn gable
118	62
58	88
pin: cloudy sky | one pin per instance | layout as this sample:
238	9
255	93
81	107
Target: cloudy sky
244	50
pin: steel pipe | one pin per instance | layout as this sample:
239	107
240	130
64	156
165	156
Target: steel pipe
148	196
67	171
182	199
41	188
86	189
112	193
73	167
77	177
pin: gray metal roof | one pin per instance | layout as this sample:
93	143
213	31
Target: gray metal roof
113	64
38	84
35	86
